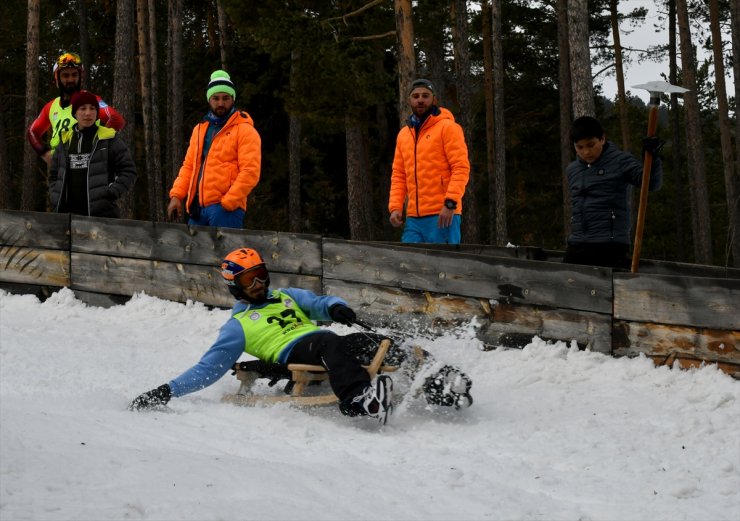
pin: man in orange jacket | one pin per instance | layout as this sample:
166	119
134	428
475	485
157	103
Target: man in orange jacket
222	164
430	171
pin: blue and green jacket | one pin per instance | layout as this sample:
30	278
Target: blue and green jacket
247	331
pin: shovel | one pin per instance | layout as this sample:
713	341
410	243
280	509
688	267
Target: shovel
655	88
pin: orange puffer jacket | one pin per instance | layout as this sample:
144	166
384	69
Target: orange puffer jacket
232	166
431	168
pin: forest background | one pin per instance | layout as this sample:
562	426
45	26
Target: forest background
326	84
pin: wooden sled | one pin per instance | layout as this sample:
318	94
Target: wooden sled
302	376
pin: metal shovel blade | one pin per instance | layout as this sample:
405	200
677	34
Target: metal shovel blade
660	86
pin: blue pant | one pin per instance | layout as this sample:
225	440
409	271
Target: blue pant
215	215
426	229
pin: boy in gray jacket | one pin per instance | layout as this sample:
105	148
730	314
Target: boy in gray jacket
92	167
599	181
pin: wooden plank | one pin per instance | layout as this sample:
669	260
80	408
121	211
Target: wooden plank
168	280
36	266
101	300
660	342
655	267
508	280
204	245
696	301
684	269
40	292
251	400
407	310
517	252
34	230
687	362
499	324
515	325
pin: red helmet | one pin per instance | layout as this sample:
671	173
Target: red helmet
239	261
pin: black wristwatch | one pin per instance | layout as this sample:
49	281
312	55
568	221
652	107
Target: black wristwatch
449	203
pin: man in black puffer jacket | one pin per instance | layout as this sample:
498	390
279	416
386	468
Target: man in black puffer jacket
92	168
599	181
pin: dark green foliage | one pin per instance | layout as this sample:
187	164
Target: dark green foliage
343	68
12	93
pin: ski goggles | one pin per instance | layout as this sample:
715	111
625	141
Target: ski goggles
250	278
68	59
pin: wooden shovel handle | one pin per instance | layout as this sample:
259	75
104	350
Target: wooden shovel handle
647	165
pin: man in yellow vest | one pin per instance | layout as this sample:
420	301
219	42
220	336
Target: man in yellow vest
57	114
276	326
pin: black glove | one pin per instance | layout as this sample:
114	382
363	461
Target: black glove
342	314
150	399
653	145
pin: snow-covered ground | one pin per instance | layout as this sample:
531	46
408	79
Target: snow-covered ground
554	433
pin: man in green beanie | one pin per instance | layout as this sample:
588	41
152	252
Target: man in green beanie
222	164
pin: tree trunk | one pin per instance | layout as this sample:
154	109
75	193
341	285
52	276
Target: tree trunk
386	148
728	165
495	132
460	39
735	24
124	86
176	138
676	148
701	224
146	105
31	177
359	202
156	150
488	99
211	25
5	180
566	114
499	128
406	54
433	42
222	31
294	154
621	96
580	59
85	53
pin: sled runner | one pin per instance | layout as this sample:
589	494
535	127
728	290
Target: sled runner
300	377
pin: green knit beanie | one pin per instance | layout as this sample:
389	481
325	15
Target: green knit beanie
220	82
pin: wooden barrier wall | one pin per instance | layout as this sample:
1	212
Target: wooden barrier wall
679	312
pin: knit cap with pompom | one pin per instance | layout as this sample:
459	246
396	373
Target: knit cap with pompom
220	82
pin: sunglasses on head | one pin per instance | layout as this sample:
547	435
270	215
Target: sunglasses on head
249	278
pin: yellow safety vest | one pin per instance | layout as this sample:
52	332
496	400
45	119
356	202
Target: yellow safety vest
61	120
269	329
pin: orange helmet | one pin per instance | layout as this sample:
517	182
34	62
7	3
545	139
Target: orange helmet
238	261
